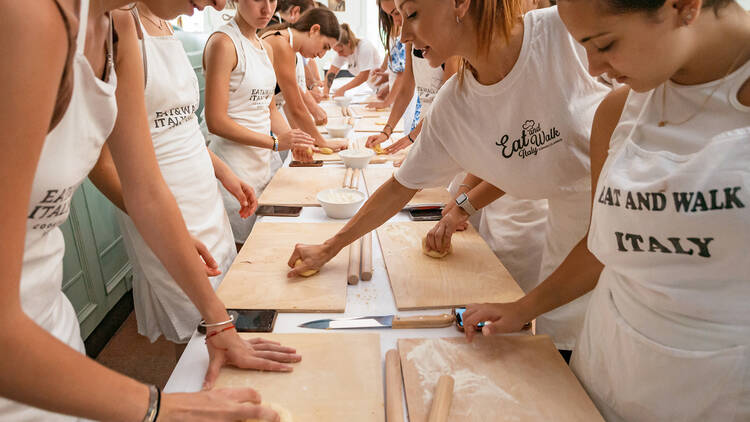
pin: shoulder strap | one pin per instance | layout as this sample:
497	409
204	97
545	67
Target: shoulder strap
65	90
141	36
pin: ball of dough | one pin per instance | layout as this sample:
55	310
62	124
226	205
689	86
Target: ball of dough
326	151
307	273
284	415
309	150
378	149
435	254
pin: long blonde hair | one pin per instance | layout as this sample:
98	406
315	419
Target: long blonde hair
494	18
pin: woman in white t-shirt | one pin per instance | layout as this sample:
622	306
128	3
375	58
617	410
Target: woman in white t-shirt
667	331
360	57
240	113
68	86
519	118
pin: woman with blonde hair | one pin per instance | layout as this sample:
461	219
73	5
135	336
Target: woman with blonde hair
491	122
359	55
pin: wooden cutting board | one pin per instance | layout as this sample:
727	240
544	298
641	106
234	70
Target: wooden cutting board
499	378
338	380
470	274
375	177
299	186
361	110
376	124
257	278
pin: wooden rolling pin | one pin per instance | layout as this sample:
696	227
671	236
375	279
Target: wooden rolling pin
355	250
347	178
365	271
394	405
441	401
355	179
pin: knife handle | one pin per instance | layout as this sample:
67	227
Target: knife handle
423	321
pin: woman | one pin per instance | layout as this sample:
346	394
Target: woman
360	57
190	171
312	35
667	332
240	113
61	102
290	10
489	122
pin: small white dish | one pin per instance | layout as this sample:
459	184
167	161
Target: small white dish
340	203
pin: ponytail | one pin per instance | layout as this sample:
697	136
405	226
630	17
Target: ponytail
347	36
325	18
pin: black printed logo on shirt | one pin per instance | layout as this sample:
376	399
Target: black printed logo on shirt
174	117
261	97
532	141
682	202
53	209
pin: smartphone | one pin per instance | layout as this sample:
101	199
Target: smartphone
251	320
316	163
425	214
278	211
460	321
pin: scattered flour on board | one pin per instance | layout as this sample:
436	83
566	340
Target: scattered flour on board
432	357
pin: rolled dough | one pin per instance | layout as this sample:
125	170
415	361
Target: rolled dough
326	151
284	415
307	273
435	254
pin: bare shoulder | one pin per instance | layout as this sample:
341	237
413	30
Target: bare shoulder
269	50
607	117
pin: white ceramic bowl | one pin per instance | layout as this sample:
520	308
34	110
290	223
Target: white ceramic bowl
342	101
340	202
357	158
338	130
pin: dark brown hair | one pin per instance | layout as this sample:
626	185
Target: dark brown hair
387	27
650	6
329	25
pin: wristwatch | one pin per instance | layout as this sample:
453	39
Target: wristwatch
463	202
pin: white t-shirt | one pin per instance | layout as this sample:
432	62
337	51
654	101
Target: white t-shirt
528	135
365	57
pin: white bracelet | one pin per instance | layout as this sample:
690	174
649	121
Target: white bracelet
216	324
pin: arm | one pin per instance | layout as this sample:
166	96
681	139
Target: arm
330	76
234	185
357	81
284	66
579	272
300	152
382	205
401	101
313	108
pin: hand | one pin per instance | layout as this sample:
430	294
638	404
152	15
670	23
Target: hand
336	144
304	154
384	91
503	318
317	94
227	348
439	238
376	140
339	92
224	405
397	146
320	116
212	267
242	191
313	258
376	105
449	207
295	138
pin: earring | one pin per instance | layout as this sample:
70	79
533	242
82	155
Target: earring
458	20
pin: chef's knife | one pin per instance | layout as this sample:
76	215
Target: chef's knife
385	321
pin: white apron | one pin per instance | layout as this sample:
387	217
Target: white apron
251	89
171	100
70	151
667	332
427	81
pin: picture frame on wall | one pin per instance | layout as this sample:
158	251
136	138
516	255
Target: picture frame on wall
337	5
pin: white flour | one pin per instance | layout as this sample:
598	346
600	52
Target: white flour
433	358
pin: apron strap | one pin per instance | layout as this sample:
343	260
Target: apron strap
83	19
142	37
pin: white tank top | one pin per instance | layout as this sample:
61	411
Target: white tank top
671	217
70	151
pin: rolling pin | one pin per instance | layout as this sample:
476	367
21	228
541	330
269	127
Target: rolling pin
355	179
355	248
347	178
365	270
394	406
441	401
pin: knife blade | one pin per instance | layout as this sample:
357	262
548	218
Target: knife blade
382	321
